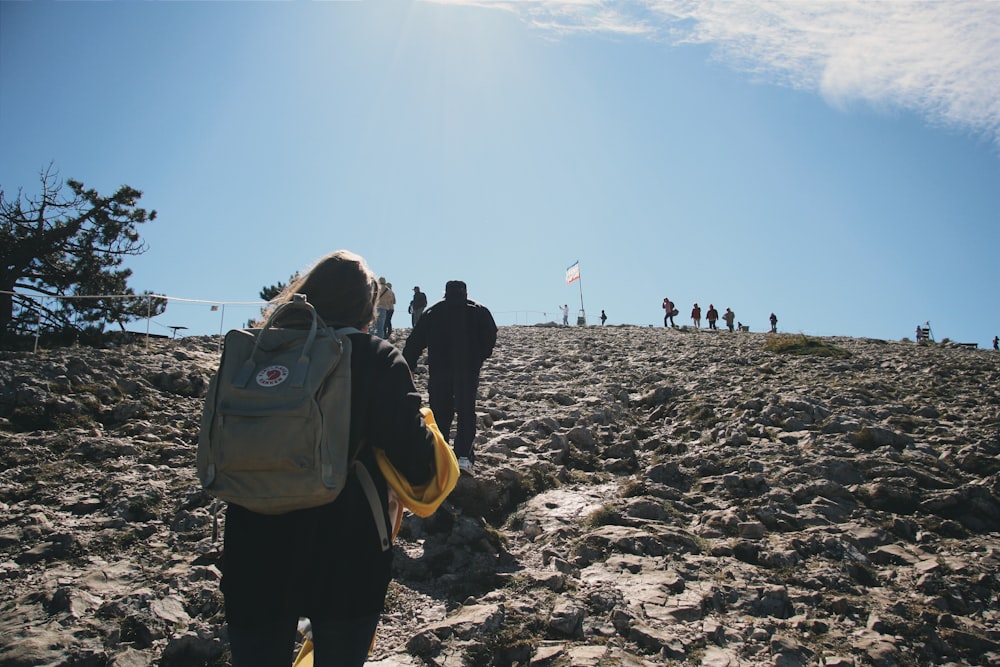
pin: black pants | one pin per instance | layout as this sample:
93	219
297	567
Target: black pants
337	643
453	392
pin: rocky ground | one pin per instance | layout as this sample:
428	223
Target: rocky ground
642	497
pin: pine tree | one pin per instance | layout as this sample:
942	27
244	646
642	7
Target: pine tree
70	246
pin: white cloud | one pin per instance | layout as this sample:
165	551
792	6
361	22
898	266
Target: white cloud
565	17
939	59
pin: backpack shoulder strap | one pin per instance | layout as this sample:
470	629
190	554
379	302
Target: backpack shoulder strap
365	478
371	493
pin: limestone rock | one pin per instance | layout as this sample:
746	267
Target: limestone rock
641	496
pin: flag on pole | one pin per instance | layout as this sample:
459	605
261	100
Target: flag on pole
214	308
573	272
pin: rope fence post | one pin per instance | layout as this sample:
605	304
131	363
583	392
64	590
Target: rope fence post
149	316
222	319
38	329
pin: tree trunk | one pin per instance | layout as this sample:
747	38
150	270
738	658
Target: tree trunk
6	311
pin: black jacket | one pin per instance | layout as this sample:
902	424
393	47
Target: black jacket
419	302
458	334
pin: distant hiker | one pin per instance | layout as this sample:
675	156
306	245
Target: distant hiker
389	311
696	316
417	305
996	339
728	317
774	323
459	335
565	312
385	301
604	318
712	315
329	563
668	312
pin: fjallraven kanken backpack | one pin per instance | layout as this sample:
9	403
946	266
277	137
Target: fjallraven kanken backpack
276	425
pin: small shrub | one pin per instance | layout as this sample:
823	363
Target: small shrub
514	644
633	489
30	418
534	482
864	439
65	421
580	460
604	516
704	414
395	596
904	423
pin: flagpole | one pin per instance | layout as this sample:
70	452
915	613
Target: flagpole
573	273
582	319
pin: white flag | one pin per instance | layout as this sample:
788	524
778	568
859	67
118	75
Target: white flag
573	272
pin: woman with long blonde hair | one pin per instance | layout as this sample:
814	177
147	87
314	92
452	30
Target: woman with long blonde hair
328	563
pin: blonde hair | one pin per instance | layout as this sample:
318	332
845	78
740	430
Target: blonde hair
341	287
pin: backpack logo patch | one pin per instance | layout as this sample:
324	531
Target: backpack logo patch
272	376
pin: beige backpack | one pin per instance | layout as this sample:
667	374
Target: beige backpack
275	431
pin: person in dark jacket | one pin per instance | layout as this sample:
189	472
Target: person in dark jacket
712	315
417	305
327	563
459	335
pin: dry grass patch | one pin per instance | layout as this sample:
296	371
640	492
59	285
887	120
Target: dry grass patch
804	345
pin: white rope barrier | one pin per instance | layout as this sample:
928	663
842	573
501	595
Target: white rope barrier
221	305
40	298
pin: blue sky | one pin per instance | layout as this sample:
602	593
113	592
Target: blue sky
837	163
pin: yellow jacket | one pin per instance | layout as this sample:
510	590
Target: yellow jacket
421	500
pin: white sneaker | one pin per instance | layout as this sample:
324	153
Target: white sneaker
465	465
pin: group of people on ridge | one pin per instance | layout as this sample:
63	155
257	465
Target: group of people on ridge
564	309
711	315
385	305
